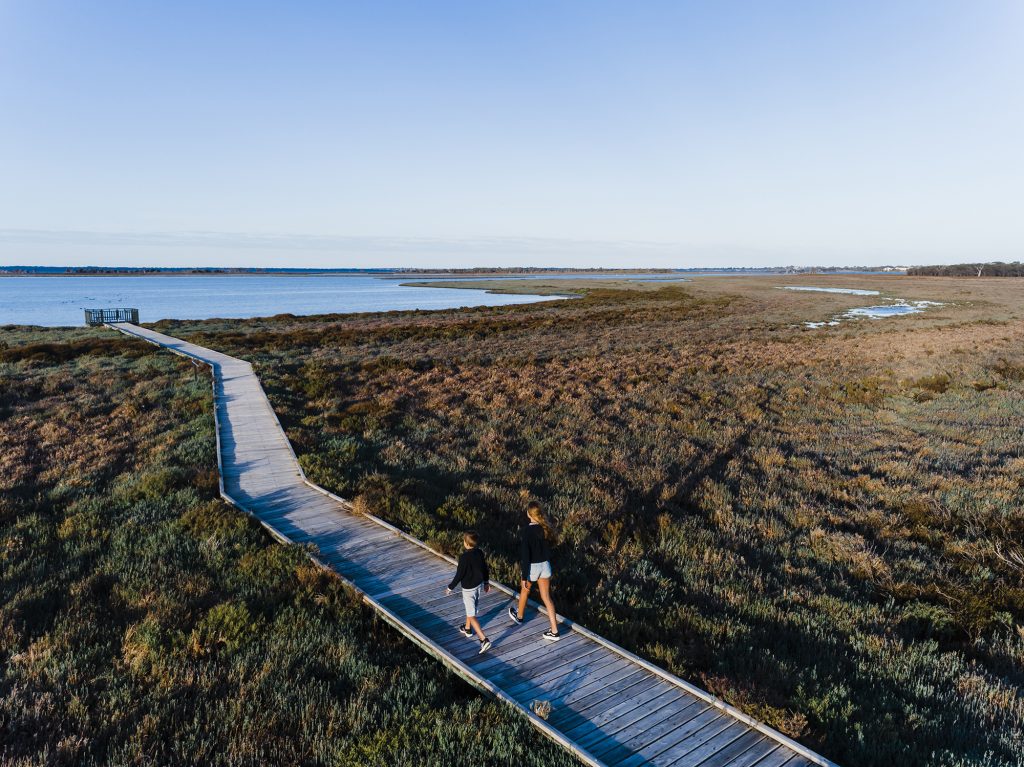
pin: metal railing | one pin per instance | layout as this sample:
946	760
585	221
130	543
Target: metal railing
103	316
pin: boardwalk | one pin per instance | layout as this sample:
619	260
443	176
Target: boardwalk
608	706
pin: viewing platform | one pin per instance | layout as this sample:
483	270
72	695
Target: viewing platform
109	316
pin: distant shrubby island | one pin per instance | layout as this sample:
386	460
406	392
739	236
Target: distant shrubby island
994	269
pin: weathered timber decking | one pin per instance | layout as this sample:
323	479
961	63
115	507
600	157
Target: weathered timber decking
608	706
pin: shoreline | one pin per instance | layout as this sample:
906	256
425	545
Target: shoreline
345	299
542	287
515	289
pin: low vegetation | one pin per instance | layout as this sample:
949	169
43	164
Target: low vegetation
821	526
142	621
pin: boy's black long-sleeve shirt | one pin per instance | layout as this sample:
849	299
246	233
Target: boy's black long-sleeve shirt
533	548
472	570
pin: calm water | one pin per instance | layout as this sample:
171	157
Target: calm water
897	309
850	291
59	300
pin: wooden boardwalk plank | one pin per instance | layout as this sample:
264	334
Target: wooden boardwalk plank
640	718
754	756
647	696
597	696
608	706
525	653
776	758
555	674
681	742
593	669
798	761
642	733
722	751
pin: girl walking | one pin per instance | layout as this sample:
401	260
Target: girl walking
535	560
472	573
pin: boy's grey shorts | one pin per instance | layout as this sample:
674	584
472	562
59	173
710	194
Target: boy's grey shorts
539	570
471	598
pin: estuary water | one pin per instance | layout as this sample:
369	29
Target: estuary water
58	300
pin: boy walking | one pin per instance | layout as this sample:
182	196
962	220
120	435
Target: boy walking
472	574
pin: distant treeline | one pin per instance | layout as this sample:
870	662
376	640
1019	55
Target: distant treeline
994	269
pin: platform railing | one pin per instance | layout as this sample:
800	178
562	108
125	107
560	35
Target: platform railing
103	316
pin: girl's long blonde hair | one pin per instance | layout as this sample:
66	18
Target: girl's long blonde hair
536	514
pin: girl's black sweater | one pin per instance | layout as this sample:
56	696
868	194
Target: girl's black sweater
533	548
472	570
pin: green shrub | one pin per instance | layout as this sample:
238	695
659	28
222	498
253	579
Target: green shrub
937	383
226	626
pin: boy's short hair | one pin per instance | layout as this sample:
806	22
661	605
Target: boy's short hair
471	538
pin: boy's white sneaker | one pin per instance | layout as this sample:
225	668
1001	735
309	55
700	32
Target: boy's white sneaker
485	645
551	635
514	615
468	633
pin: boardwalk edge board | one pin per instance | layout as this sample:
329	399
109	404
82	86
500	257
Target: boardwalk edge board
424	642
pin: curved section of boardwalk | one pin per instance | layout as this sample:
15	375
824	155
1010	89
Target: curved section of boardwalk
607	706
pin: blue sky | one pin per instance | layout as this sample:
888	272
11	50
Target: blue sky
478	133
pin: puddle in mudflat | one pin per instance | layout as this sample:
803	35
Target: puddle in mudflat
848	291
898	308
